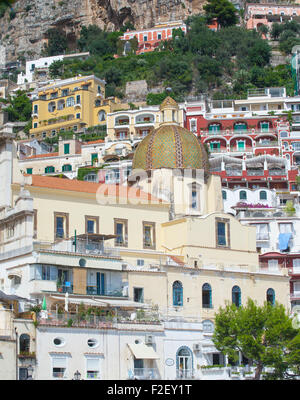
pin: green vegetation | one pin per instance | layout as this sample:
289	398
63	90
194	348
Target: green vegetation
84	171
225	63
19	108
263	334
97	132
223	10
57	43
288	35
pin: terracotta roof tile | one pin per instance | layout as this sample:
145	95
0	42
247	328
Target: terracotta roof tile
75	185
93	142
42	155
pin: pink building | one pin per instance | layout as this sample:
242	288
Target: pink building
268	13
149	39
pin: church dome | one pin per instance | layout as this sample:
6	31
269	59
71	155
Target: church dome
170	146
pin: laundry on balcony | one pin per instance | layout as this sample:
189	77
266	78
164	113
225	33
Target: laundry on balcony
284	239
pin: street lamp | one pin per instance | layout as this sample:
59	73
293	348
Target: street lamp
29	372
77	376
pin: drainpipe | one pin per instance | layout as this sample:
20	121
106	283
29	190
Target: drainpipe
16	353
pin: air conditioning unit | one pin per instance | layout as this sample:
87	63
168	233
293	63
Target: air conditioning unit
197	347
149	339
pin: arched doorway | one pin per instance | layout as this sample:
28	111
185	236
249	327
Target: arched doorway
184	363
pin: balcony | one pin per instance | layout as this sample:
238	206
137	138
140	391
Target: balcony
185	374
247	149
276	172
145	374
94	290
233	172
82	247
267	144
218	150
295	296
259	172
100	317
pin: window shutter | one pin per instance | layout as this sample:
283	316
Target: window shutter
92	364
59	362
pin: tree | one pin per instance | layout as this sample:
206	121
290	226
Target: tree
223	10
57	43
20	107
263	334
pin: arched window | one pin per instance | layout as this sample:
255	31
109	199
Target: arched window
236	296
262	195
206	296
271	296
243	195
177	294
24	343
66	167
184	363
97	103
51	106
224	195
101	115
49	169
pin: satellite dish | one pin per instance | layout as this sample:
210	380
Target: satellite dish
82	262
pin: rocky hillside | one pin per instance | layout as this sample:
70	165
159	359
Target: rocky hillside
24	35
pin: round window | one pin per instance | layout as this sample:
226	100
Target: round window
92	343
136	341
58	341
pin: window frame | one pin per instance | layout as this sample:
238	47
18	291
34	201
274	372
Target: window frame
91	218
226	221
176	294
65	216
124	222
153	234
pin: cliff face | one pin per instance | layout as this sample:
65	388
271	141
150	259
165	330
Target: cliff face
25	34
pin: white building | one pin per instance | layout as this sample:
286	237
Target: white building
39	68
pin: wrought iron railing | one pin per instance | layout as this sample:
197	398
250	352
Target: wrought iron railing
146	373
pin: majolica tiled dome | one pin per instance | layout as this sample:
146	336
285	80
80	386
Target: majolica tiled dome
170	146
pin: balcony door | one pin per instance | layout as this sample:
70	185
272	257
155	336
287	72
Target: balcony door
184	363
100	283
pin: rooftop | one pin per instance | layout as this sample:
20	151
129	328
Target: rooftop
90	187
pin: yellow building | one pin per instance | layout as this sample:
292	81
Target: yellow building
129	127
71	104
168	227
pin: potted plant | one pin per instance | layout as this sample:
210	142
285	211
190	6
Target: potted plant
59	285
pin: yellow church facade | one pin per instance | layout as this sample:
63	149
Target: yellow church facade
177	249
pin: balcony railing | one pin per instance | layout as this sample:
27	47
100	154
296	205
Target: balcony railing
184	373
241	149
259	172
82	247
277	172
94	290
146	373
233	172
227	132
267	144
263	237
295	296
106	318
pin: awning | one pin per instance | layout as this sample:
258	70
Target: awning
142	351
102	302
12	274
